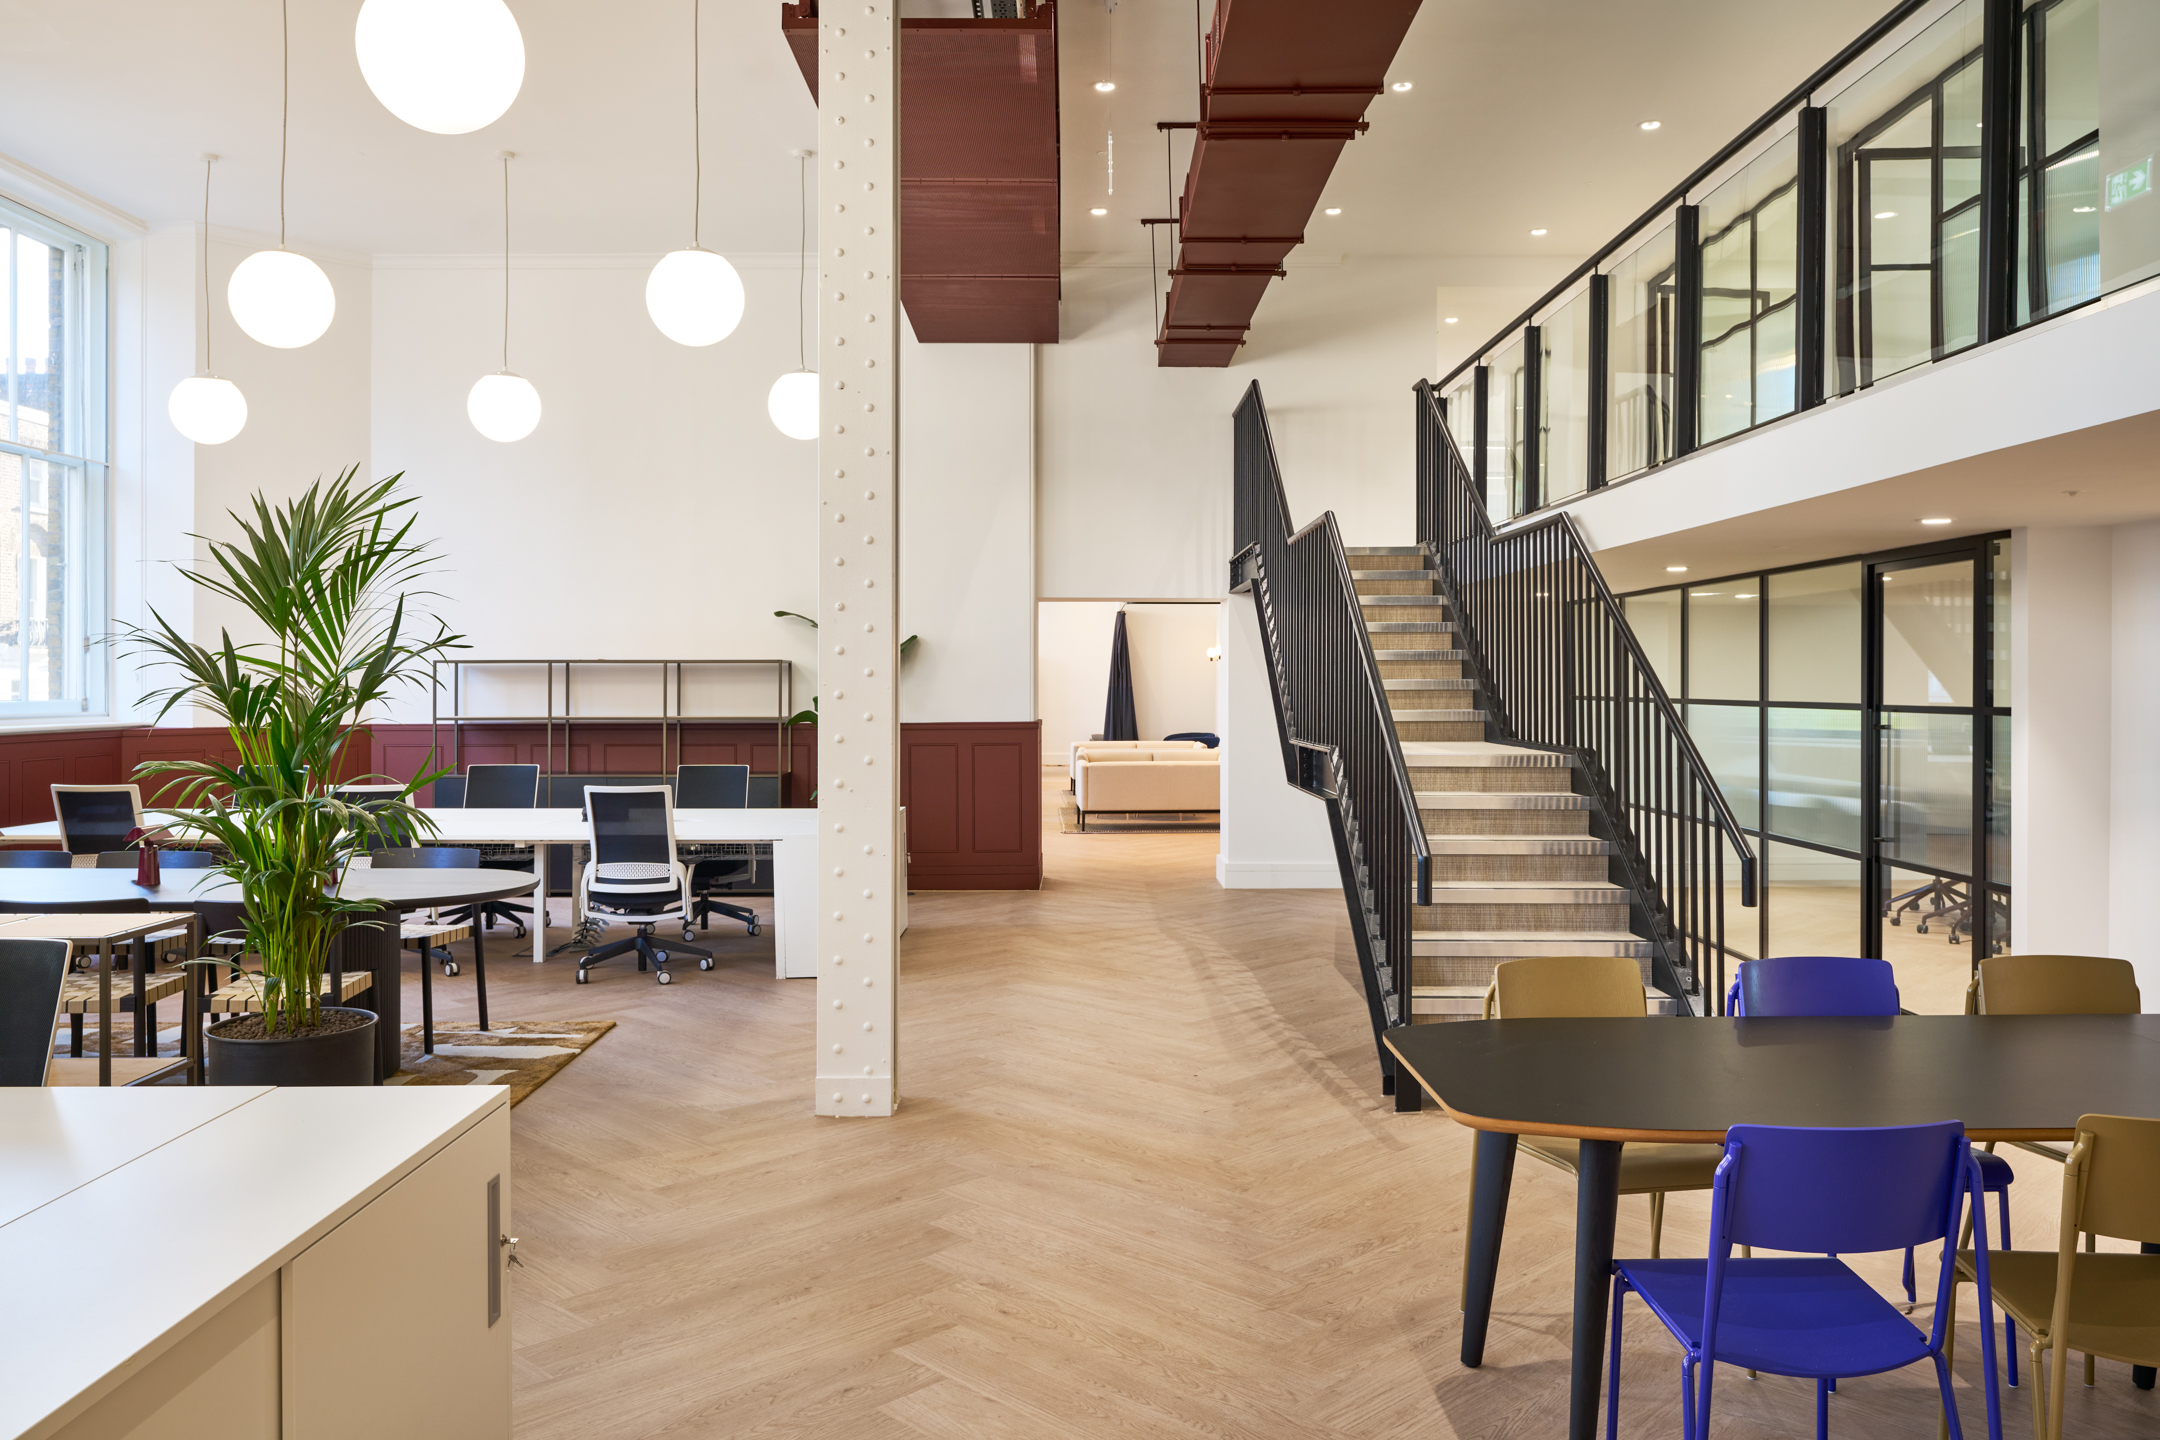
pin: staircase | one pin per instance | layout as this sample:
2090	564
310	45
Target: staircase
1516	870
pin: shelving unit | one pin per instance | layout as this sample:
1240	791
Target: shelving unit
449	678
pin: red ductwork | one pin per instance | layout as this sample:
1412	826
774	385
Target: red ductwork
978	172
1287	86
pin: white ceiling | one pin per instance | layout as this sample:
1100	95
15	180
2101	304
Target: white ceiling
1523	114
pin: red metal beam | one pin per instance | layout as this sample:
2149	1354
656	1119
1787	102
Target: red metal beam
979	195
1287	86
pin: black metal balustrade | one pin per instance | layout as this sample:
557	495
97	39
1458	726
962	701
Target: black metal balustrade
1338	735
1561	671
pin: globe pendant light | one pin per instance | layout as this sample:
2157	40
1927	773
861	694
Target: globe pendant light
446	66
793	399
281	299
504	406
694	295
205	408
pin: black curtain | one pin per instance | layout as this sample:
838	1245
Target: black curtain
1118	722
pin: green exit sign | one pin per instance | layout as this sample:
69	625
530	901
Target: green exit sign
2126	185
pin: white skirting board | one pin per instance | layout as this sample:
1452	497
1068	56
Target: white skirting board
1263	875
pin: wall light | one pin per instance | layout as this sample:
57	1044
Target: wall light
1214	652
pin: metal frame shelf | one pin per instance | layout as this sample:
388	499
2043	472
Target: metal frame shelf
671	716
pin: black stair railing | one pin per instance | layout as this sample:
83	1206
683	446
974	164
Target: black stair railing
1561	670
1331	711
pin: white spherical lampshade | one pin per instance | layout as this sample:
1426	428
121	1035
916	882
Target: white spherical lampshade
503	407
792	404
695	297
281	299
449	66
206	409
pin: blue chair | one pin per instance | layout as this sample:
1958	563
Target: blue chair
1824	1193
1848	985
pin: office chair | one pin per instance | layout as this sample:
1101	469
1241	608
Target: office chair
96	817
504	787
35	860
430	936
715	787
634	874
363	796
33	974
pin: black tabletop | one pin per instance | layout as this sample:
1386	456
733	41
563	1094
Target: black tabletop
185	889
2008	1077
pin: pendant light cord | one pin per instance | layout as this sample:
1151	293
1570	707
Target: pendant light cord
802	259
506	262
284	112
209	305
697	129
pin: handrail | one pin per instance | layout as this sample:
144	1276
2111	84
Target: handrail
1800	95
1561	670
1334	721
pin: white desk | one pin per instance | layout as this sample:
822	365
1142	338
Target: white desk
255	1262
791	833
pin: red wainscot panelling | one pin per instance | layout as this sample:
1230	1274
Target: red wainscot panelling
974	801
404	751
32	762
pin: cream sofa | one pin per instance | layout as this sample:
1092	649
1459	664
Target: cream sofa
1139	776
1183	748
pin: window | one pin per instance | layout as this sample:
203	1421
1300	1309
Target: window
1638	404
52	470
1749	301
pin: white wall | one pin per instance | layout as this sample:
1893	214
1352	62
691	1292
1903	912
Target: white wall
1135	459
1173	680
1273	837
1072	671
2134	774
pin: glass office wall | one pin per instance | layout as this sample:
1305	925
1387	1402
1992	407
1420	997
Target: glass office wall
1564	401
1905	198
1641	312
1750	309
1504	433
1856	764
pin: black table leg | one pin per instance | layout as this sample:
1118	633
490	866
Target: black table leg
427	1002
1597	1205
2142	1375
479	965
1488	1217
144	1044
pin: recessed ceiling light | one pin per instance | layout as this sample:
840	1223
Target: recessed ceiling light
1676	569
1104	87
2081	210
1399	86
1749	595
1651	124
1335	210
1098	210
1937	520
1537	232
1449	321
1886	215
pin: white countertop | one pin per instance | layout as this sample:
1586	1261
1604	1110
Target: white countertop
156	1214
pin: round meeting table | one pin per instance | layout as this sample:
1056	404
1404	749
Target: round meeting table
1607	1082
374	948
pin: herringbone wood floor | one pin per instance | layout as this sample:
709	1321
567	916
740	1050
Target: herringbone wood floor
1143	1184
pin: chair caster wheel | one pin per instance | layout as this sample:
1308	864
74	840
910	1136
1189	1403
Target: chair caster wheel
663	977
450	967
659	959
753	927
520	932
582	977
688	934
704	964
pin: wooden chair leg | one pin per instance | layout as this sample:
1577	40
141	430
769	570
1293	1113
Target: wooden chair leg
1657	1222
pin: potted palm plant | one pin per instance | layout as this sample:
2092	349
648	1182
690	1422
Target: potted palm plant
325	578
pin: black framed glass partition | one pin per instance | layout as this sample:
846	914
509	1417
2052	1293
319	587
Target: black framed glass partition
1848	711
1869	223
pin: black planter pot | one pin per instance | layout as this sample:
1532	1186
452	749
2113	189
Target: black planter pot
345	1058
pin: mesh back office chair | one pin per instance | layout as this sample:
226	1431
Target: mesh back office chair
504	787
35	860
363	796
634	874
715	787
96	817
32	974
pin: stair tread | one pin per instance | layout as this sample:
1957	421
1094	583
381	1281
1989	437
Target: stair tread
1383	549
1481	752
1501	800
1598	890
1429	682
1517	845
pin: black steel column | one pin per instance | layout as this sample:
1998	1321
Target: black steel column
1687	327
1813	280
1533	370
1998	169
1600	301
1480	396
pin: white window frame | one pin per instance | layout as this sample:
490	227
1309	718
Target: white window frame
81	453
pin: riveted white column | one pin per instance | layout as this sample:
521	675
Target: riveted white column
859	591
